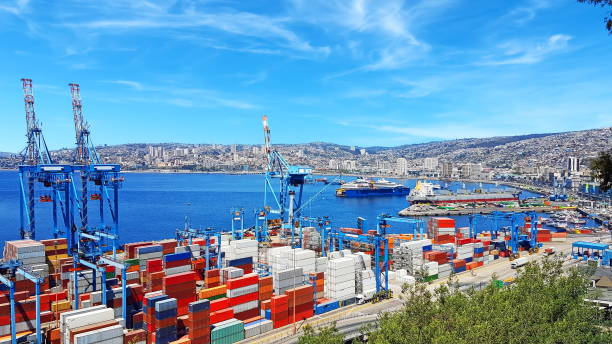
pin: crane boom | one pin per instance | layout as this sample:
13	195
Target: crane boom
36	151
85	152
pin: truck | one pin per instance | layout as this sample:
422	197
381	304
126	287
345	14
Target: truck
550	251
517	263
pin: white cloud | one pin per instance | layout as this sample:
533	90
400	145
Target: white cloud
184	97
523	14
17	7
250	79
133	84
380	31
516	52
270	30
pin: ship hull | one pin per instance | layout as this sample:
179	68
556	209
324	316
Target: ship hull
350	193
463	199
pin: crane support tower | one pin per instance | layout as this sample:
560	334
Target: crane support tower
237	223
14	268
104	181
56	180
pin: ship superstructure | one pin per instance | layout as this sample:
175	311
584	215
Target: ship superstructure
427	192
362	187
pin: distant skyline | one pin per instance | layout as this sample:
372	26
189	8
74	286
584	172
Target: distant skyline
364	73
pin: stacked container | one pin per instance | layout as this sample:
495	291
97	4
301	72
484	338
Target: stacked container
213	293
340	277
199	322
212	278
279	310
459	265
165	321
317	280
30	253
237	249
182	287
266	288
257	327
243	294
301	303
229	331
146	253
231	272
287	279
177	263
439	226
55	251
246	264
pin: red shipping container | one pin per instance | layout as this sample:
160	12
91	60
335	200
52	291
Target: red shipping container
154	265
234	283
233	301
222	315
219	304
247	314
189	276
278	301
464	241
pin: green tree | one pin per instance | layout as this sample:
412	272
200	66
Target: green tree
325	335
544	305
602	3
602	169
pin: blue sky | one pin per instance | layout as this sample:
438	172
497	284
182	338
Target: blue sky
347	71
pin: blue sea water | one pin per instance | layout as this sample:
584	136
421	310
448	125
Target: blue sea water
154	205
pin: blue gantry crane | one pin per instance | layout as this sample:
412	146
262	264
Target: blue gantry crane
285	200
56	180
13	268
261	226
188	234
378	241
508	222
105	181
237	223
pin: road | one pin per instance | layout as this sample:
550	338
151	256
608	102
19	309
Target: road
350	320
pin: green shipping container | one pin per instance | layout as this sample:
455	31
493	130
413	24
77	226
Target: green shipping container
430	278
230	328
132	262
212	298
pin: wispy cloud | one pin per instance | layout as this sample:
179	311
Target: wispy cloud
523	14
183	97
517	52
133	84
382	32
271	30
251	79
17	7
448	131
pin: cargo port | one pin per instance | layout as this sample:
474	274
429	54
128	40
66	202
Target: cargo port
259	283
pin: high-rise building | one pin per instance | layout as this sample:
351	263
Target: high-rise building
573	164
430	164
447	169
401	166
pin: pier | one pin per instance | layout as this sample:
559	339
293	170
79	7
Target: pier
483	210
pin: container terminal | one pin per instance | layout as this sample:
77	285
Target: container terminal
260	284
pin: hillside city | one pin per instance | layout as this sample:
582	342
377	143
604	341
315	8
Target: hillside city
549	159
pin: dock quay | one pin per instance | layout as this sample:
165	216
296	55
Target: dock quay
483	210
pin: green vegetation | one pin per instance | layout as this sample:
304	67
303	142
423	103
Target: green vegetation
543	305
325	335
602	3
602	169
